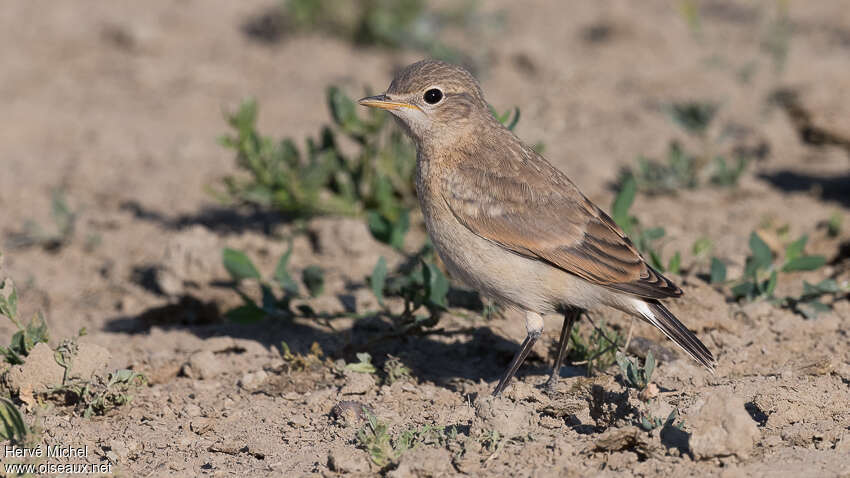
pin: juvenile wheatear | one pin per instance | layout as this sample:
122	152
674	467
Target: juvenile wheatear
512	226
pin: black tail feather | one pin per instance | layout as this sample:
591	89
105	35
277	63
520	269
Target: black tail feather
677	332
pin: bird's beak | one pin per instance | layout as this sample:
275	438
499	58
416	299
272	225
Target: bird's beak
385	103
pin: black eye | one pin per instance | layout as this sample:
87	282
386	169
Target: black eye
433	96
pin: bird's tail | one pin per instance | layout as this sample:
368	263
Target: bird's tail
658	315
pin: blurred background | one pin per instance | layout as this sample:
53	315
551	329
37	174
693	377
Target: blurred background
156	155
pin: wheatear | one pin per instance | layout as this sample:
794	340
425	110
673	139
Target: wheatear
512	226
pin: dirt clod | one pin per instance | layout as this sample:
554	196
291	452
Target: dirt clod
203	365
41	372
722	427
506	417
424	462
345	459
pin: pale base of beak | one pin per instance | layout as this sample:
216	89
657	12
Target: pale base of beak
384	103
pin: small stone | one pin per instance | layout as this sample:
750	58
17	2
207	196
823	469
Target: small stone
298	421
722	427
343	459
424	461
357	383
203	365
191	410
253	380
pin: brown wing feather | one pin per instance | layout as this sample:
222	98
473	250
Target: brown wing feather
534	210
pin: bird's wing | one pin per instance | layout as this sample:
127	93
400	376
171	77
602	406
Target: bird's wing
533	209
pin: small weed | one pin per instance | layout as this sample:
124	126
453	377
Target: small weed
761	273
649	422
643	238
272	303
364	364
491	440
598	351
687	170
634	376
809	302
406	24
64	222
383	449
28	335
299	362
14	428
100	395
395	370
422	286
833	225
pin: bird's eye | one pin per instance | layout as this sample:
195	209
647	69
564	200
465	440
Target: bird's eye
433	96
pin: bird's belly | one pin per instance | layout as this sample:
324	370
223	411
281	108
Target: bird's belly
503	275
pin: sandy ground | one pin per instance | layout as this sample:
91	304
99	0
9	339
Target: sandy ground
120	103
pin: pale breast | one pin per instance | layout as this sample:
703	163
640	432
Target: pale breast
494	271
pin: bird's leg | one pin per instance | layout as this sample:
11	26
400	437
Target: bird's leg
570	316
534	327
629	335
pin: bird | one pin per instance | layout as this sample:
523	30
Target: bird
510	225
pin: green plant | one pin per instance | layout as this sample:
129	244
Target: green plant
393	24
276	294
100	395
634	376
761	273
598	351
14	428
64	222
395	370
809	302
422	286
364	364
28	335
643	238
649	422
383	449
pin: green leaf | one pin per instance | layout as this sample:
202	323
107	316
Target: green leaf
623	202
436	284
246	314
702	245
826	286
675	263
364	365
804	263
281	274
314	278
771	284
13	426
762	256
795	249
649	366
238	265
378	279
399	229
812	308
718	271
744	289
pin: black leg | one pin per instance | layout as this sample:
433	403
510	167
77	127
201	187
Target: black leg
519	358
570	316
534	327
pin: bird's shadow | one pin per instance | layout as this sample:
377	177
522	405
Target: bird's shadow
827	188
478	353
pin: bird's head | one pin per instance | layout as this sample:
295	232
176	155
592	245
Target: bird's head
434	101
